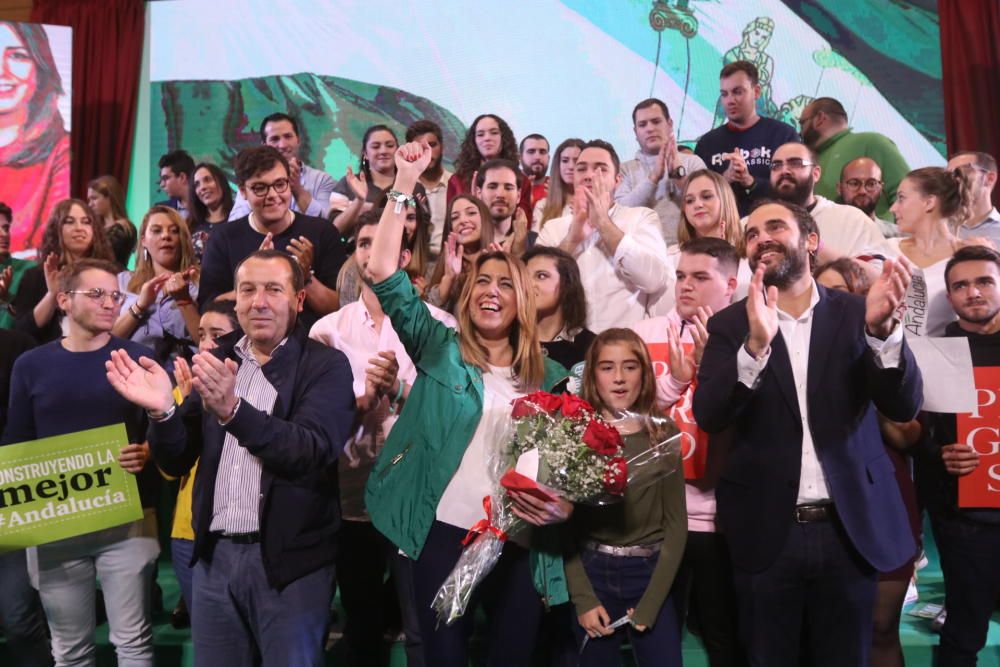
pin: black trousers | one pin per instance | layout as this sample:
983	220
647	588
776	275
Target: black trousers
970	563
362	559
707	599
812	606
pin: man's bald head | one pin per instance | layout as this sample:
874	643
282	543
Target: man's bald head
861	184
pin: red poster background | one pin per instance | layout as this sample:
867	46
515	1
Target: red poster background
981	430
694	441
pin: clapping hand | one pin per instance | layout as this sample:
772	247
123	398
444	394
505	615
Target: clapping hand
453	252
267	243
302	250
215	381
737	171
178	285
150	290
144	383
885	295
598	203
182	376
684	366
50	267
383	371
762	313
358	184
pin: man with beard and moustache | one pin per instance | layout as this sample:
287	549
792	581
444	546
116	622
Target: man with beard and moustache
499	186
311	188
824	128
655	178
981	171
968	540
274	412
845	230
383	376
435	177
791	378
861	186
534	152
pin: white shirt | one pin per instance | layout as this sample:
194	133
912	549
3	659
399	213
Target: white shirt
847	229
461	503
352	331
438	204
925	310
796	333
619	287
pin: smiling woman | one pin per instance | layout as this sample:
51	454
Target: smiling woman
427	488
34	144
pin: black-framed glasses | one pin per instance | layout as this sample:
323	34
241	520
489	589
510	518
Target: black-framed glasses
868	184
98	294
791	163
260	189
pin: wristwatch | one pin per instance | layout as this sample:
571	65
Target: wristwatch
679	172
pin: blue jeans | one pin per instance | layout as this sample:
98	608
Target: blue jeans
619	583
969	553
180	555
239	619
21	615
513	606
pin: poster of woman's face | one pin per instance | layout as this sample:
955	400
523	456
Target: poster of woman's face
35	83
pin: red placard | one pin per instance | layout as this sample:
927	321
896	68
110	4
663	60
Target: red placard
694	441
981	431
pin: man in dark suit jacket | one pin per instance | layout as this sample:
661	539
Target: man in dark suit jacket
808	500
278	408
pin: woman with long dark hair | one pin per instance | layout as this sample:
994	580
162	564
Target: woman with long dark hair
211	200
468	231
72	233
34	144
488	138
106	198
559	201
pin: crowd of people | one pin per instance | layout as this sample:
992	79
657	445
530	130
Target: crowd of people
326	365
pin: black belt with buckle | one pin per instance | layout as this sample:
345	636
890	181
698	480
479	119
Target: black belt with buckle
814	513
240	538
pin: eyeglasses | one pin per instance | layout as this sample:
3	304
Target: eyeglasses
793	163
260	189
98	294
870	184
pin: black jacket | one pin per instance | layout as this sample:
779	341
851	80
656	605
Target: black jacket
297	445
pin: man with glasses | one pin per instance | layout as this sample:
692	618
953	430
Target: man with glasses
861	186
263	177
44	404
311	188
844	230
981	171
824	128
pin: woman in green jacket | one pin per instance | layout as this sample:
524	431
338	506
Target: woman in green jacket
426	490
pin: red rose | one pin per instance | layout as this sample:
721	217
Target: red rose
536	403
615	476
573	406
602	438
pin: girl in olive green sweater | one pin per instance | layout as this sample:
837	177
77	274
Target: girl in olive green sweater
625	555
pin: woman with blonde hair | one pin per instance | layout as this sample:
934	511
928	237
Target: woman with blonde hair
160	310
708	209
107	199
428	485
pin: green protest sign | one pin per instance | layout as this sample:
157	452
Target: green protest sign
64	486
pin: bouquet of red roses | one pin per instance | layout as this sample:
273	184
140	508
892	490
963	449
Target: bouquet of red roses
557	446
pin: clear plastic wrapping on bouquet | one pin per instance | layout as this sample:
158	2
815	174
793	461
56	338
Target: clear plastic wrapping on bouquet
550	447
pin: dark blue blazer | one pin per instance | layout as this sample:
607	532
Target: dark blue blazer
297	444
758	487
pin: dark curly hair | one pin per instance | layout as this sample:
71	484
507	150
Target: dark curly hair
100	247
469	158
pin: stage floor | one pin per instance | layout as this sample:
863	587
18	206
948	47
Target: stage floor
174	649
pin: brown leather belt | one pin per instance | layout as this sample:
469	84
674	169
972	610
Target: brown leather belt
814	513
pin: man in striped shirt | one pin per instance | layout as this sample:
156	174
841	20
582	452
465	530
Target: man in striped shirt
276	411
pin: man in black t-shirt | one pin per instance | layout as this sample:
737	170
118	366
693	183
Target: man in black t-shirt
968	538
262	175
